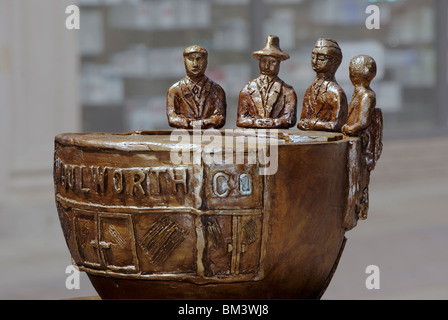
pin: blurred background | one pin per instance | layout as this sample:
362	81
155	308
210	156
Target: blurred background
112	75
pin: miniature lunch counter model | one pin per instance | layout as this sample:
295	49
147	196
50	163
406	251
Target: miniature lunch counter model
203	212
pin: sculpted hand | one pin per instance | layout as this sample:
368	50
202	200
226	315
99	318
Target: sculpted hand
196	123
267	122
305	123
348	129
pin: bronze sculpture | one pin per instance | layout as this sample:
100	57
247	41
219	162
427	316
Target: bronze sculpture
324	103
267	101
365	121
196	101
142	226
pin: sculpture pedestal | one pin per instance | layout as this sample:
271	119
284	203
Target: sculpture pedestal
141	226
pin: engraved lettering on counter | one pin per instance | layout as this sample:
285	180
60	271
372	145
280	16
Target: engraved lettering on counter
118	181
137	177
136	182
245	184
81	180
69	176
223	184
99	179
220	184
182	180
157	171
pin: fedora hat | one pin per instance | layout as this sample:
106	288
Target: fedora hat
272	48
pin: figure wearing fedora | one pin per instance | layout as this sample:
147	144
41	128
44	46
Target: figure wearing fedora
196	101
324	102
267	101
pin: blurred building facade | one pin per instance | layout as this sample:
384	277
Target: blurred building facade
39	94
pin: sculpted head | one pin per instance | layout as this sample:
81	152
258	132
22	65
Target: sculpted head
269	65
326	56
195	60
362	69
270	57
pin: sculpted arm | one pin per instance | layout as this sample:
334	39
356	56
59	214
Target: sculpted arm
289	117
244	119
338	117
305	121
218	118
175	119
367	105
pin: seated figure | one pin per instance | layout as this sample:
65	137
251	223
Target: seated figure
324	103
196	101
267	101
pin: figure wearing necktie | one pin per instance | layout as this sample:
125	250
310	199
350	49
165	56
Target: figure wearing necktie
196	100
267	101
324	103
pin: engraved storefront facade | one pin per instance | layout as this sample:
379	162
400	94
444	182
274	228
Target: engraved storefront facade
197	223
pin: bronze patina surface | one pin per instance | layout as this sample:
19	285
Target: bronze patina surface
142	227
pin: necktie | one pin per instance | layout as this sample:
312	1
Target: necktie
195	89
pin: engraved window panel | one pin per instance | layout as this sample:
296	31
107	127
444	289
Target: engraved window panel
86	239
219	245
251	231
233	244
166	243
117	242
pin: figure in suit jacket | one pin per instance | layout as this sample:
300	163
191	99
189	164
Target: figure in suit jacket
267	101
195	100
324	103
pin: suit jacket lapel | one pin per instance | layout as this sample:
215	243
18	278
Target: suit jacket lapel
204	94
273	95
255	95
187	96
320	96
